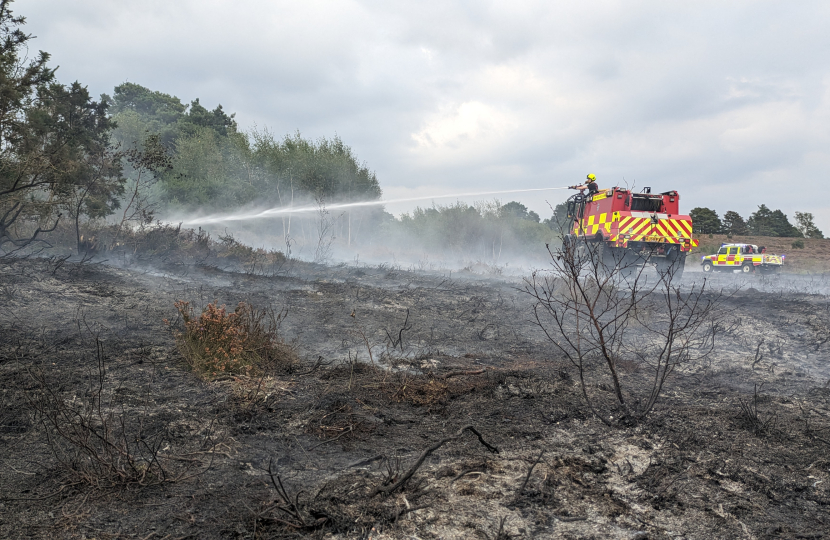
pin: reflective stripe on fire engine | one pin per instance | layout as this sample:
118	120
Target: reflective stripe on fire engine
673	230
639	226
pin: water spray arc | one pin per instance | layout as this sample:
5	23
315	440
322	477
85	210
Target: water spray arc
286	210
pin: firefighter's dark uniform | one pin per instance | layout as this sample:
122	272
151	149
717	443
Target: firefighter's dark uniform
592	188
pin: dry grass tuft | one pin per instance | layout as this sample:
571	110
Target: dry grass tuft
420	390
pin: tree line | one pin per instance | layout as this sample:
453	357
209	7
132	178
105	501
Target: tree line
487	231
69	159
762	222
214	164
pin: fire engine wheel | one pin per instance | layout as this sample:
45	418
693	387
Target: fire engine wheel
672	265
747	268
707	267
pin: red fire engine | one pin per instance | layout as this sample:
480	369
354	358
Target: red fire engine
631	228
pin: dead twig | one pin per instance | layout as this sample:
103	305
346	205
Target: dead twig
317	365
474	470
501	534
460	373
398	342
529	472
749	410
758	354
386	490
291	513
359	330
569	519
406	510
349	430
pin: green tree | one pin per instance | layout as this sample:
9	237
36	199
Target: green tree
517	210
25	162
514	210
734	224
805	224
88	181
766	222
705	221
198	116
215	165
326	168
559	221
202	173
55	151
139	111
482	231
146	164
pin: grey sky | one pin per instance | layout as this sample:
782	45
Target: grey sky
727	102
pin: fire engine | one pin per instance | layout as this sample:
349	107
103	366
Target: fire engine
744	257
632	229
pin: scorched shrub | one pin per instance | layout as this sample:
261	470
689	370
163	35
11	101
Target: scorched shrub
245	341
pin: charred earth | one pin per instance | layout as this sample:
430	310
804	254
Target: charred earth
421	406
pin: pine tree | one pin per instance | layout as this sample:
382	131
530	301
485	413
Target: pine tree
805	224
734	224
705	221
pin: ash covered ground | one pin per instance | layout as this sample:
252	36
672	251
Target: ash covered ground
308	454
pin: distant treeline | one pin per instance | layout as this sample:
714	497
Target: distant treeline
762	222
487	231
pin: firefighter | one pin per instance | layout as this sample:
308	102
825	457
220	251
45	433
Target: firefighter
590	185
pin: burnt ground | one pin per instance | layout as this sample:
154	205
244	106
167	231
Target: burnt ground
700	466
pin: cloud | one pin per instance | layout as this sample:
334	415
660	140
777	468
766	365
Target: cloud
470	129
729	103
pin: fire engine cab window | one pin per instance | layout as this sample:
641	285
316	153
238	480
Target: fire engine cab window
722	251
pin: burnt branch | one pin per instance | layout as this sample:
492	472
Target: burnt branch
398	341
529	472
287	509
386	490
756	421
98	446
608	319
452	374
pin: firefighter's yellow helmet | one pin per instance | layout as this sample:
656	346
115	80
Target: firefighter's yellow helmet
592	177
